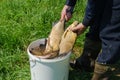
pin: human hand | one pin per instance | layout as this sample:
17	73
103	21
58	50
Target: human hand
65	13
79	29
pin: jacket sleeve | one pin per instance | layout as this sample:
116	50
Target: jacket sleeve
71	2
89	13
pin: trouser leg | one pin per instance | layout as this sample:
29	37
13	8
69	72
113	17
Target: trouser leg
89	55
109	55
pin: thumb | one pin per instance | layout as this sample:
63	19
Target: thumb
62	17
63	14
74	29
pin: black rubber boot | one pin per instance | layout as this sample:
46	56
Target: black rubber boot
87	60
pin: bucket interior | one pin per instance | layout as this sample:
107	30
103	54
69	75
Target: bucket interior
43	42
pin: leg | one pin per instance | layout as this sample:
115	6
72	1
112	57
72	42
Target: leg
88	57
90	53
101	72
109	55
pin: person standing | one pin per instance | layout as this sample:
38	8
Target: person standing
92	44
109	32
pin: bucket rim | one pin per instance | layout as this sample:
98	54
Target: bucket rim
33	57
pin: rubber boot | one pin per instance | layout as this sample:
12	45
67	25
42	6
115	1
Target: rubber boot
90	52
101	72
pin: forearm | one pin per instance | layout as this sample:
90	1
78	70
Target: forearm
89	13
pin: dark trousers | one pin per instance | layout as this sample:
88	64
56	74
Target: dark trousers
110	33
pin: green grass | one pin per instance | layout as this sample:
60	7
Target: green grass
23	21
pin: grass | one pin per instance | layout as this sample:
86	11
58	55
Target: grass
23	21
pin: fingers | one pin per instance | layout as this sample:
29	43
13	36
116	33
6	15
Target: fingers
65	14
62	17
68	16
74	28
79	29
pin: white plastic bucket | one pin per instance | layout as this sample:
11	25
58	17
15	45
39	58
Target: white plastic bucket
48	69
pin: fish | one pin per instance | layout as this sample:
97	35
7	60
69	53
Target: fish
68	40
54	38
51	47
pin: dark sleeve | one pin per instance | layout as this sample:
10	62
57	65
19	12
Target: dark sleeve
70	2
89	13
